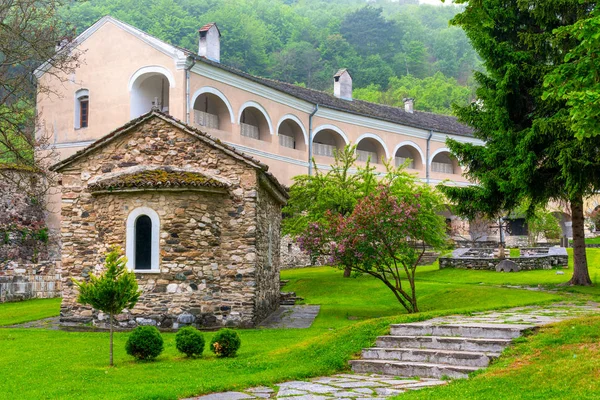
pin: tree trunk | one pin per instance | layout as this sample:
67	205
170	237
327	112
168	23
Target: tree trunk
111	339
347	272
581	275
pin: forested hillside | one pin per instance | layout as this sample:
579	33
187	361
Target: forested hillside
393	50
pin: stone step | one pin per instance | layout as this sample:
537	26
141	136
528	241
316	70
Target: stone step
407	368
436	356
488	331
444	343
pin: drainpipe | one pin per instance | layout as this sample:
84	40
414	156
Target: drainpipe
427	167
310	138
190	62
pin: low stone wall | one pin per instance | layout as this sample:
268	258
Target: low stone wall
524	263
293	257
29	281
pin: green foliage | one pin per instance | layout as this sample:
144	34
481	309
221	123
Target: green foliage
576	81
145	343
306	42
190	341
385	236
543	222
436	93
530	153
225	343
114	289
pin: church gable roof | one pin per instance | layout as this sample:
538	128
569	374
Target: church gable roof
202	136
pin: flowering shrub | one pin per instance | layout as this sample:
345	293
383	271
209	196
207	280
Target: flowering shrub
384	236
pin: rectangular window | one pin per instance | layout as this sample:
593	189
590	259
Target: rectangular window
84	112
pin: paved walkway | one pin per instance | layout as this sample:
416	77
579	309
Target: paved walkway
371	387
339	387
298	316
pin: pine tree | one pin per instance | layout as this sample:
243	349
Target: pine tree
530	152
112	291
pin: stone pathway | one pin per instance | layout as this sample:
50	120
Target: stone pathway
298	316
376	386
531	315
341	386
52	323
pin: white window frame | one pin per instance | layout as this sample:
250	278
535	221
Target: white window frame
78	96
130	240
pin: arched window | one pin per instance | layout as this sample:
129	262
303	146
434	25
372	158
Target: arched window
143	242
143	227
82	108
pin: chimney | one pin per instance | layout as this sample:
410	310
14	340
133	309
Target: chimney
409	105
210	42
342	85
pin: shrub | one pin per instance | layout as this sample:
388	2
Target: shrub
190	341
225	343
144	343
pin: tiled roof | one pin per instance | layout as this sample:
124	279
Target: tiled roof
417	119
157	178
207	27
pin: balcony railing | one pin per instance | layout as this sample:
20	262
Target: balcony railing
205	119
364	155
250	131
320	149
402	160
287	141
445	168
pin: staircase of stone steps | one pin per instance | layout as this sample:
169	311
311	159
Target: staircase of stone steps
433	350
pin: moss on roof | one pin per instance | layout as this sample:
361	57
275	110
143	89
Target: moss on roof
157	179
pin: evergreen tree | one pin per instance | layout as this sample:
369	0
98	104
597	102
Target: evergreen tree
112	291
530	153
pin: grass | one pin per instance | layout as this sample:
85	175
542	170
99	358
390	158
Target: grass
44	364
561	362
25	311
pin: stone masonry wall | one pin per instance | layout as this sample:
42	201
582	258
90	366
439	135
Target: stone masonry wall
29	281
268	238
208	254
524	263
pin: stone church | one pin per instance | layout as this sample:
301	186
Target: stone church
198	220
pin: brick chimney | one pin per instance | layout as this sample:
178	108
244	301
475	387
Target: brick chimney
210	42
342	85
409	105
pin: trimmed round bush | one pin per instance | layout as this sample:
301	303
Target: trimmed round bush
225	343
190	341
144	343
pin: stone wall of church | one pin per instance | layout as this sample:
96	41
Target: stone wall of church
208	241
268	260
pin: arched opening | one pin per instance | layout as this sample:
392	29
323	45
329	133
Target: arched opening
142	240
444	162
409	153
211	111
149	90
291	135
143	243
326	142
369	148
254	124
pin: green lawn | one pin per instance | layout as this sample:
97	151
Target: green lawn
25	311
561	362
55	364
